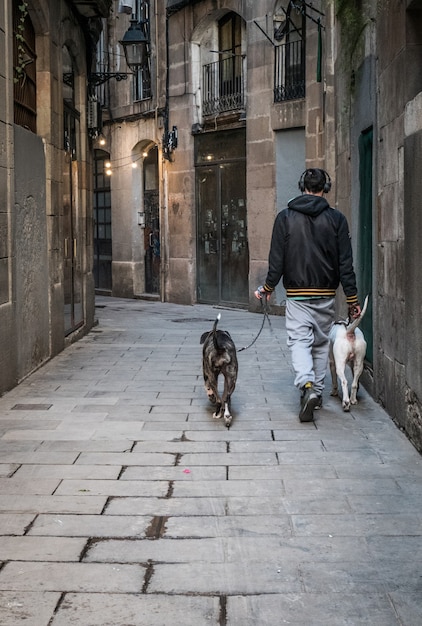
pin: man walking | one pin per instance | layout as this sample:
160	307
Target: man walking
311	250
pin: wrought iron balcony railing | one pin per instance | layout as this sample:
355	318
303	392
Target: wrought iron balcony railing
223	85
289	71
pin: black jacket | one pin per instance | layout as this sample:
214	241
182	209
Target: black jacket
311	250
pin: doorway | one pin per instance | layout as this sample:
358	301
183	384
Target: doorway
152	223
72	262
102	223
364	248
222	240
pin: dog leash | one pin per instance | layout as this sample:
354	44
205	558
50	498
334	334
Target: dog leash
265	307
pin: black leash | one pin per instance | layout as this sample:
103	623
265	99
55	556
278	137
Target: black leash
265	316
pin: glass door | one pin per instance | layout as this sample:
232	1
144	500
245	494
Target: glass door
72	264
222	255
208	240
234	243
152	223
102	224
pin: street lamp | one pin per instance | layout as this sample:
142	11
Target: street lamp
135	44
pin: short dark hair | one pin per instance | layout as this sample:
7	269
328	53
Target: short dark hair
314	179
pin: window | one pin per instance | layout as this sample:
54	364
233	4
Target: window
223	80
142	78
24	58
289	65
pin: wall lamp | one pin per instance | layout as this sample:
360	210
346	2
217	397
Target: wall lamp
135	45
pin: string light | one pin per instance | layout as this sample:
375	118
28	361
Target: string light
123	162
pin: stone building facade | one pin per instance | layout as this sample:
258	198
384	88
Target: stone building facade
379	122
234	85
46	279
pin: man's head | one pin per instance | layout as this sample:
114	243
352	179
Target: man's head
315	181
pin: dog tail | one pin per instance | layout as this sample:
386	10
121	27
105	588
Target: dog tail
352	327
214	332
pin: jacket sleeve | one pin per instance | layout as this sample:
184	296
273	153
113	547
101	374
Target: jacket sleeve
347	274
276	256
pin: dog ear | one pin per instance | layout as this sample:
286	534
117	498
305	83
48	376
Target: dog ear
203	337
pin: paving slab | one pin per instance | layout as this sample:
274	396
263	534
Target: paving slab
41	548
84	577
304	609
102	609
90	526
225	578
98	472
15	523
53	504
29	608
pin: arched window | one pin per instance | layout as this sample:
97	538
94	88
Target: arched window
289	66
24	65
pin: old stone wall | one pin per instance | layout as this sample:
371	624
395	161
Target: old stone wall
376	49
31	270
32	214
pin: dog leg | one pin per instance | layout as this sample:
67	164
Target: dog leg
227	414
340	369
334	383
357	371
229	386
210	393
345	393
218	413
341	352
210	384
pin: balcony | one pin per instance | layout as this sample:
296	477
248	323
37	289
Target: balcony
223	86
289	71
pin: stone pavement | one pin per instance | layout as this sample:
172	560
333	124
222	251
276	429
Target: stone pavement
123	503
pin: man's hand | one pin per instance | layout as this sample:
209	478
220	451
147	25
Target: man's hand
354	310
260	293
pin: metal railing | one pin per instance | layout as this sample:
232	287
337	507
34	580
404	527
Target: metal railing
289	71
223	85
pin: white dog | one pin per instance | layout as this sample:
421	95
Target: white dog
347	344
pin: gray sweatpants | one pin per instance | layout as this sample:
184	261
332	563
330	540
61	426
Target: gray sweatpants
308	323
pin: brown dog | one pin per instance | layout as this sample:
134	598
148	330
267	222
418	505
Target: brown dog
219	357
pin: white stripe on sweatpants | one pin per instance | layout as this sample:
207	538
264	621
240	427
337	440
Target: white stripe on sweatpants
308	323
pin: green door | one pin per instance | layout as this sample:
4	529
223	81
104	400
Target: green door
364	250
